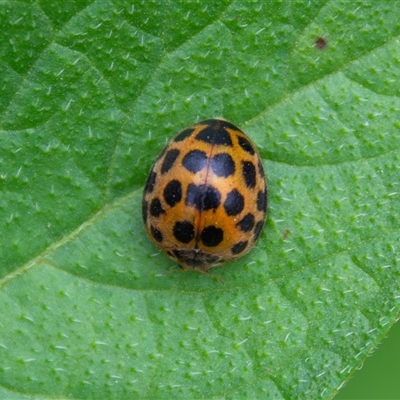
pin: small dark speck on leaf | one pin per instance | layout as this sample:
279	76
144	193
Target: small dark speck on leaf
320	43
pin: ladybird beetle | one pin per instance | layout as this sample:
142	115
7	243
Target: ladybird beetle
205	199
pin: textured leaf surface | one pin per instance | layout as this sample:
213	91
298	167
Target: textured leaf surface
91	91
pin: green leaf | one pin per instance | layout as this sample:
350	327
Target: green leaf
91	92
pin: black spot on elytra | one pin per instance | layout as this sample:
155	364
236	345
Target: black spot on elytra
195	160
169	160
262	201
234	203
258	229
238	247
203	197
249	174
151	180
183	135
214	134
184	231
157	235
156	208
223	165
212	236
246	145
246	224
173	193
144	211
